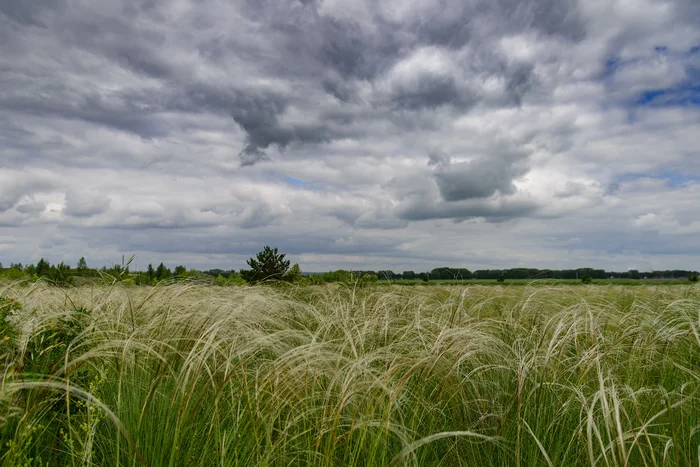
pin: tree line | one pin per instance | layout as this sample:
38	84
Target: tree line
270	265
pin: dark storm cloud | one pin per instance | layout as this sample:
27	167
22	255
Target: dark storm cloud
430	91
318	51
479	178
90	107
28	13
454	23
491	211
343	46
519	82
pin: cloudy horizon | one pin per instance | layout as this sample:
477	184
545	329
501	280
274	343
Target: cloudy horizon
401	135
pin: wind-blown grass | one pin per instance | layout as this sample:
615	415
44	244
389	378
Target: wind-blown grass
201	375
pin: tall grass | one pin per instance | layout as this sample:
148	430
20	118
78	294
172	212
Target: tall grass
208	376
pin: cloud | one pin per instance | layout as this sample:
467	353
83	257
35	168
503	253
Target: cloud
15	186
541	121
481	177
492	210
85	203
31	208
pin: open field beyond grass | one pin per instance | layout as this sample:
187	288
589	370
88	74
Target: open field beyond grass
193	375
539	282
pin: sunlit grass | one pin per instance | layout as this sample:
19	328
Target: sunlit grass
478	375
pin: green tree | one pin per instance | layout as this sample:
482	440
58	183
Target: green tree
43	268
693	277
267	265
150	272
180	270
60	274
162	272
586	279
82	264
370	278
294	274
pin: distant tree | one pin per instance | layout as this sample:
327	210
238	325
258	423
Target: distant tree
43	268
82	264
13	274
269	264
294	274
150	272
60	274
370	278
340	276
693	277
388	275
118	272
501	278
162	272
586	279
180	270
425	277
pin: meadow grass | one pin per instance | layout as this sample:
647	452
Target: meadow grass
197	375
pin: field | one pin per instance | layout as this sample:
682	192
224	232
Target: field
539	282
198	375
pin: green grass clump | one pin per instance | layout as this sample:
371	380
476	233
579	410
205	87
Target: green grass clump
208	376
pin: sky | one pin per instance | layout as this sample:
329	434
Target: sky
355	134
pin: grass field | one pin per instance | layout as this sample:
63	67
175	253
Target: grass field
192	375
539	282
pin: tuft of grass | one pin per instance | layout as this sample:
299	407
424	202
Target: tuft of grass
198	375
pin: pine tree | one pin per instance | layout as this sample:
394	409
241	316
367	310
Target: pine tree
267	265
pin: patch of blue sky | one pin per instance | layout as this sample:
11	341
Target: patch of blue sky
684	94
612	64
687	94
315	186
301	184
672	178
294	181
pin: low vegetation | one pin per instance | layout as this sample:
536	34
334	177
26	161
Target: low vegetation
199	375
269	265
